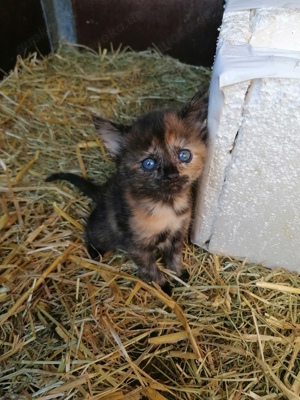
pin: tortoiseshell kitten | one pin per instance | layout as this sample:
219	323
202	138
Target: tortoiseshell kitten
145	207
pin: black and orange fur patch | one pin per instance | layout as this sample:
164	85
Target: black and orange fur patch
147	211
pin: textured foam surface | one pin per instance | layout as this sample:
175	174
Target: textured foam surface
249	198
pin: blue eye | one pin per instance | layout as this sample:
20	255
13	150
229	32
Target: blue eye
149	164
185	156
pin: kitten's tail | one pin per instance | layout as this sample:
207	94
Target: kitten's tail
87	187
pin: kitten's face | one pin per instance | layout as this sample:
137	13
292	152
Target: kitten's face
162	155
163	152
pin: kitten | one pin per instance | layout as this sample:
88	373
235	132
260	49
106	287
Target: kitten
145	207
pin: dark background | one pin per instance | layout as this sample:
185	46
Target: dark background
186	30
22	30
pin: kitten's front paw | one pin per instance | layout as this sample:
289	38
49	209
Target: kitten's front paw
174	263
185	276
146	263
153	275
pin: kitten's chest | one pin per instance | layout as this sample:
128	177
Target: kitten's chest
150	219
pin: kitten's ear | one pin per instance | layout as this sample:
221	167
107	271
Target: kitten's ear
111	133
195	111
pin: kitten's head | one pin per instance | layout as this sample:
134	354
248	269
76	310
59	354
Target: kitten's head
162	153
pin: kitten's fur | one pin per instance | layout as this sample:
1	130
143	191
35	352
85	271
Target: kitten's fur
147	213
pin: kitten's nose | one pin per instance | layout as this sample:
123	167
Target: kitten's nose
171	172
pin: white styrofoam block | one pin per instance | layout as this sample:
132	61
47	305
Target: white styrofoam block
248	204
235	5
259	208
276	29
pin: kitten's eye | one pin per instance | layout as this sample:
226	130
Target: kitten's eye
185	156
149	164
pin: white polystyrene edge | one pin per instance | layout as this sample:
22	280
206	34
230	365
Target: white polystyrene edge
239	5
235	64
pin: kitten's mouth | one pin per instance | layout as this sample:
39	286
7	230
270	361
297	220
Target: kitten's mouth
176	186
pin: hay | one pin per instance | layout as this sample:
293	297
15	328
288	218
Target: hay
72	328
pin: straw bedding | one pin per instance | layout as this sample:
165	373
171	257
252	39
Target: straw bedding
72	328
